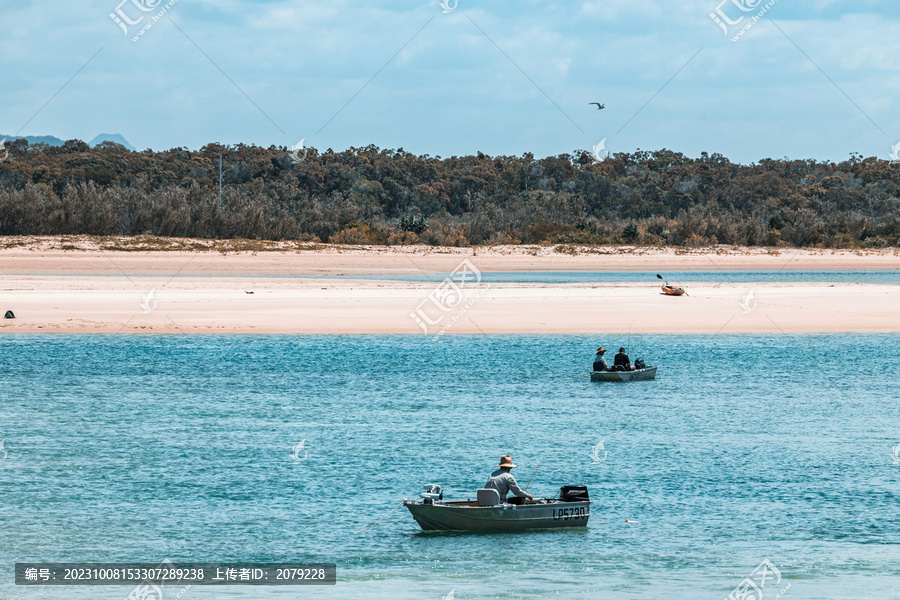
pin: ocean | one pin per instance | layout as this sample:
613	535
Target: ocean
859	276
882	277
205	448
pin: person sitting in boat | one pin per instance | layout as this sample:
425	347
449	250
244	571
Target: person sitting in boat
503	481
622	362
599	362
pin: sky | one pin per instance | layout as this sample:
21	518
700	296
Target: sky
804	79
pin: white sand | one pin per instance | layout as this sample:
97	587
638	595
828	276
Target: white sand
52	290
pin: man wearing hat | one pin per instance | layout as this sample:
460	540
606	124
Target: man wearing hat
503	481
599	362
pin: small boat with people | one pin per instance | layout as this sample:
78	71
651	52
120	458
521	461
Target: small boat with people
492	511
572	508
622	369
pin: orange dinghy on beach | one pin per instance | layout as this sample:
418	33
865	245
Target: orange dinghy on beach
671	290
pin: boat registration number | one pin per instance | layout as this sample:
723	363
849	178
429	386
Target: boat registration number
564	514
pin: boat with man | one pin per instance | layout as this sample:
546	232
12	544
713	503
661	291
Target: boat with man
572	508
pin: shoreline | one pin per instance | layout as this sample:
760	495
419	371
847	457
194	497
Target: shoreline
47	256
313	292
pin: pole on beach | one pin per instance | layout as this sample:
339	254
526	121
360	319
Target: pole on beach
220	181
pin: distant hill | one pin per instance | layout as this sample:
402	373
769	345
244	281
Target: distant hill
111	137
35	139
55	141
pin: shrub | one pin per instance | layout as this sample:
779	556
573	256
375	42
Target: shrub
630	233
415	223
402	238
363	234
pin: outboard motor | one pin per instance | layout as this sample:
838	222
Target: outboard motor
573	493
432	493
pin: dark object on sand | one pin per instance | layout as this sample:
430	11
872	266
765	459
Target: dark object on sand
9	315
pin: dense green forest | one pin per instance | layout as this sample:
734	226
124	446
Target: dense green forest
372	196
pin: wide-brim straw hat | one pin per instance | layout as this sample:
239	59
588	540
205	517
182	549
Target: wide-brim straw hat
506	461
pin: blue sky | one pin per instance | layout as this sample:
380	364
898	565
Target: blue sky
809	79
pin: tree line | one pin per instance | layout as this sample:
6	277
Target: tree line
375	196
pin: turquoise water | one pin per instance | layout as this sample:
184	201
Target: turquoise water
745	448
891	277
884	276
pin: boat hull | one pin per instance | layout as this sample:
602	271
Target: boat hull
505	517
638	375
672	291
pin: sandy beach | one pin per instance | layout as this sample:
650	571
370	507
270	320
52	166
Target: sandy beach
86	288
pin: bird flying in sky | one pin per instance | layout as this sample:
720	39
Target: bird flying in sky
599	106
